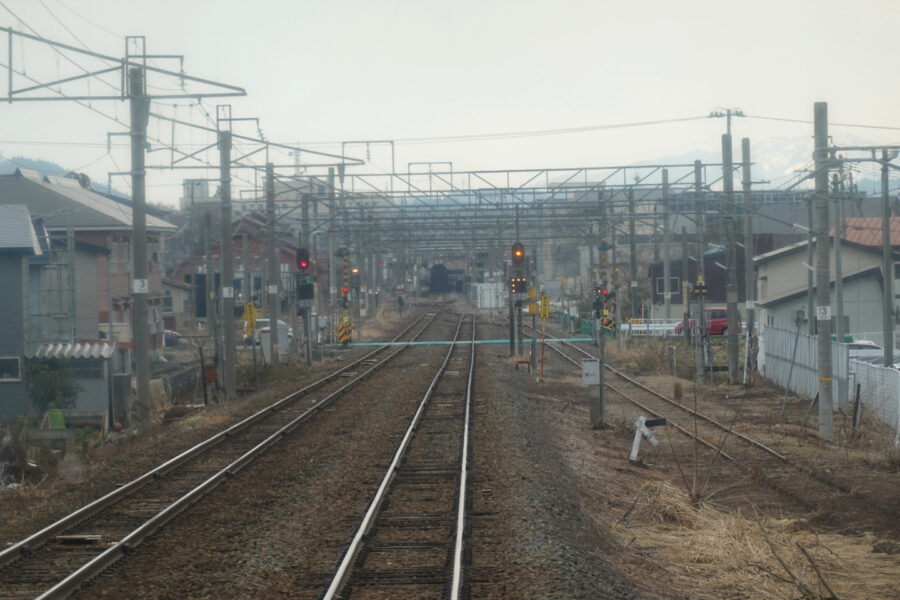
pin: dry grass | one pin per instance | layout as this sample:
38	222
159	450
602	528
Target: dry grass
711	554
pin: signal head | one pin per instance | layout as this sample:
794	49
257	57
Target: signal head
518	253
302	259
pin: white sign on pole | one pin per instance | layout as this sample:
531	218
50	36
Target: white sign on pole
823	313
590	371
139	286
228	292
272	288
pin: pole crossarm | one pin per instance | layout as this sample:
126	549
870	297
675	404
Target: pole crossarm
119	64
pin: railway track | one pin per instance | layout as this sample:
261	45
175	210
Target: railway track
813	489
56	561
410	541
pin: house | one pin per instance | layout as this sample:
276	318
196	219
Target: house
714	268
176	304
782	279
79	290
18	242
249	247
104	227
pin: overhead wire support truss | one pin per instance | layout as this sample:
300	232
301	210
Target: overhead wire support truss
118	64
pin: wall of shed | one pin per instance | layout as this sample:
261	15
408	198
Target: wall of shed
13	395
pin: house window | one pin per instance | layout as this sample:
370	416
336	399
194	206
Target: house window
10	369
167	302
674	285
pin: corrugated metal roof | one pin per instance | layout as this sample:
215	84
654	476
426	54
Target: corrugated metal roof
62	201
70	350
16	230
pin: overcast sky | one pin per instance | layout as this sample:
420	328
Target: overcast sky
319	72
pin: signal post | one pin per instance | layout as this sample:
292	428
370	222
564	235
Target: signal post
518	284
305	294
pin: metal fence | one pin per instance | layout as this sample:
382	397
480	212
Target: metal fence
879	393
790	359
879	387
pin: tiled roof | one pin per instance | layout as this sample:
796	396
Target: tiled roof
62	202
866	231
16	230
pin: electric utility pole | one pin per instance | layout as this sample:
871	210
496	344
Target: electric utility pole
823	282
667	267
632	255
887	299
749	279
140	113
730	261
229	372
274	267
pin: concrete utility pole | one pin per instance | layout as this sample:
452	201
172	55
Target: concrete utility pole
749	279
667	267
699	216
632	256
685	289
887	263
274	266
332	268
140	113
749	273
731	295
810	283
823	282
838	200
229	372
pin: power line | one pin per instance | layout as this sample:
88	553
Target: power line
88	21
808	122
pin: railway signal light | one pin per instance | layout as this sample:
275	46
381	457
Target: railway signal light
518	254
302	259
518	284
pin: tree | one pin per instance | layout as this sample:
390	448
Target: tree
50	385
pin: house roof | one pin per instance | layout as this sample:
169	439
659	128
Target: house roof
709	254
62	202
801	247
175	284
866	231
870	272
16	231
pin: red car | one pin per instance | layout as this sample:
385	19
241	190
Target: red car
716	322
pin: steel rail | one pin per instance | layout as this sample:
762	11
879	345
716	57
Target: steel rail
128	543
344	569
12	552
649	410
456	584
687	409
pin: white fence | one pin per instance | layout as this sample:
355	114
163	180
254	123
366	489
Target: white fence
879	393
777	347
879	386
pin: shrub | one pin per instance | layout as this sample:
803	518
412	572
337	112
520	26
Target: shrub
49	385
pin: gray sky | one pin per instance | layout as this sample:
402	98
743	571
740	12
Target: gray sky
407	70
